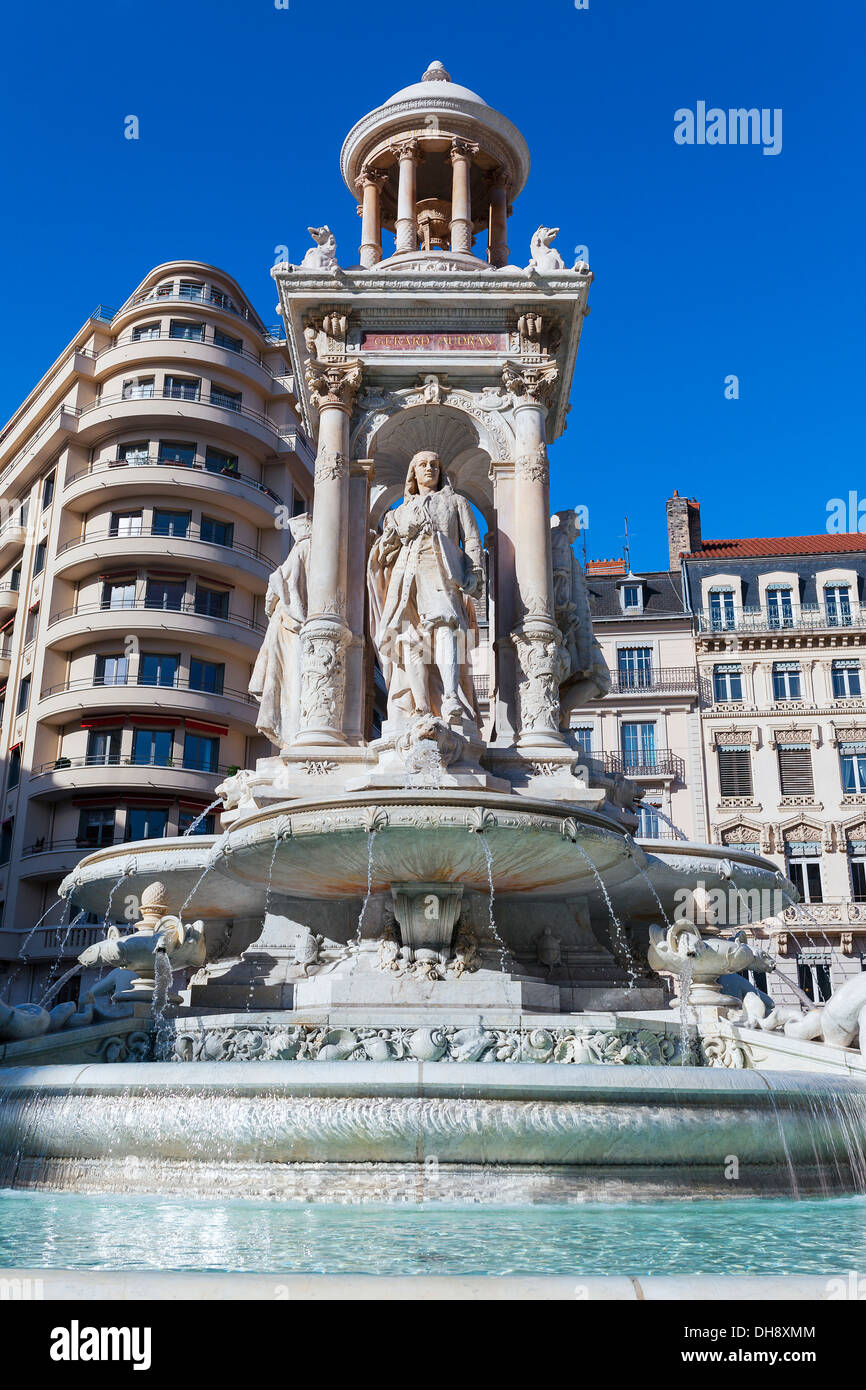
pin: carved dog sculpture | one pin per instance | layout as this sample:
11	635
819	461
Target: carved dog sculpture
545	257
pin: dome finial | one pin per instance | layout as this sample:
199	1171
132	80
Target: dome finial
436	73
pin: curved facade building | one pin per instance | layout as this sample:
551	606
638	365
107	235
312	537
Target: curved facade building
146	486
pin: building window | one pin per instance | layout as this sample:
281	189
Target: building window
118	593
144	332
170	452
780	608
735	771
155	668
152	747
14	768
103	747
165	593
189	332
837	602
229	400
146	823
39	558
96	827
6	832
191	289
32	624
224	340
721	609
299	505
212	603
167	523
649	825
201	754
125	524
853	759
23	695
846	679
857	861
15	579
48	491
786	680
187	819
182	388
111	670
813	974
635	667
638	747
583	735
795	770
222	300
804	870
207	676
217	532
134	453
727	682
139	388
215	461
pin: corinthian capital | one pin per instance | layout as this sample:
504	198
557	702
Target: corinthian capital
462	149
535	385
371	178
333	386
407	149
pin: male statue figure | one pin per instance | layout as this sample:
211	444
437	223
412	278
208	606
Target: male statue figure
423	570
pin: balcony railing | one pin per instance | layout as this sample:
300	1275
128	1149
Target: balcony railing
153	460
192	533
660	763
208	340
212	400
187	606
809	617
167	764
91	683
661	679
213	298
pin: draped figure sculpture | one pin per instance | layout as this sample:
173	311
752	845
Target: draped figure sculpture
423	570
585	675
276	678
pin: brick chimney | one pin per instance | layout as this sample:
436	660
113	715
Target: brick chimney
605	566
684	527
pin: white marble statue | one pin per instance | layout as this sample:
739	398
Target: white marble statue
423	569
322	256
545	257
276	675
586	672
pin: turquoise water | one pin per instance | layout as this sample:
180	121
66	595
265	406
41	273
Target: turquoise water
65	1231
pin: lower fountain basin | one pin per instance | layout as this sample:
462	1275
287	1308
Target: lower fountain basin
431	1132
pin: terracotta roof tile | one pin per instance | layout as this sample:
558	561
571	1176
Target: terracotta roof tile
757	547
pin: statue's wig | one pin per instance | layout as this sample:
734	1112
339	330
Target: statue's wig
411	488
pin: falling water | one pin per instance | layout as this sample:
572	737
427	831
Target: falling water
810	918
615	922
494	930
633	851
59	957
192	892
356	945
50	993
686	974
106	921
22	950
657	811
162	980
268	893
191	829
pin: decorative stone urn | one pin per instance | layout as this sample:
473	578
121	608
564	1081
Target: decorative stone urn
699	957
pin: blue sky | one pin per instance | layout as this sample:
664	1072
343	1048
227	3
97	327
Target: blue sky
709	260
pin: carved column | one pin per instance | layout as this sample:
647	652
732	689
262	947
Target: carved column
409	155
497	239
504	608
354	717
370	184
326	633
462	152
536	636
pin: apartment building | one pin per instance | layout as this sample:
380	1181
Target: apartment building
145	486
780	643
648	726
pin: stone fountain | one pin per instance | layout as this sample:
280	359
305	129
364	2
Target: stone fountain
427	869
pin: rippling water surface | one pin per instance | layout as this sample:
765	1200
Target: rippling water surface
64	1230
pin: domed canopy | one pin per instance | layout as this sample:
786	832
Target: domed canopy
436	110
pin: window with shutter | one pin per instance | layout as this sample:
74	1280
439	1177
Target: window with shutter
735	772
795	770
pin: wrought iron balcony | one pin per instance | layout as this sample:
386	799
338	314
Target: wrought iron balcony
673	680
662	762
807	617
